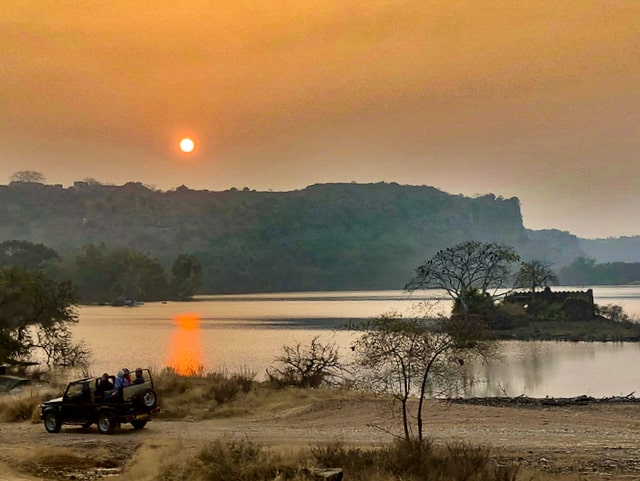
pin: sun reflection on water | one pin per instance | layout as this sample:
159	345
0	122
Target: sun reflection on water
185	345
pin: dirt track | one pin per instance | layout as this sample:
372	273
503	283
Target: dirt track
596	440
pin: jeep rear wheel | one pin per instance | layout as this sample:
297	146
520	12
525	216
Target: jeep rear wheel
148	398
139	423
52	422
106	423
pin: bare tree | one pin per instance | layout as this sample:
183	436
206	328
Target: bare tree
30	176
408	357
307	366
466	268
614	313
56	343
534	274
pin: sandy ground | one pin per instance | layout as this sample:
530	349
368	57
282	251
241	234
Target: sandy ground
599	441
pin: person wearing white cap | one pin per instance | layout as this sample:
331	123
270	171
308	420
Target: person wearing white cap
120	383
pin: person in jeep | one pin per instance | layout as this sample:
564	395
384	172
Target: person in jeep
137	404
120	384
104	384
139	379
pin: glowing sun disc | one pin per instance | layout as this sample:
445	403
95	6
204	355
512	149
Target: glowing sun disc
187	145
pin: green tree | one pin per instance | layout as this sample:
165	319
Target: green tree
581	271
26	255
410	357
187	276
116	274
35	318
584	271
466	268
138	276
92	274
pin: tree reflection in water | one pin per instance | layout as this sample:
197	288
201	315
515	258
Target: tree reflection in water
185	345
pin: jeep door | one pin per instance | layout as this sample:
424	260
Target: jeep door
76	406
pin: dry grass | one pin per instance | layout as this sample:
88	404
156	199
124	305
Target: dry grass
200	395
223	460
211	395
194	397
208	395
25	404
228	459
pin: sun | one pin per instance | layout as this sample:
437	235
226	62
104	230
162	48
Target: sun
187	145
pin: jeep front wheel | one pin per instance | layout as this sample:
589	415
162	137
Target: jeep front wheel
106	423
52	422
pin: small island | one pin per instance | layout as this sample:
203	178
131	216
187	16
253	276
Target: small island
561	316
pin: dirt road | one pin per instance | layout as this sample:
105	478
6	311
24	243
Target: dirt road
595	440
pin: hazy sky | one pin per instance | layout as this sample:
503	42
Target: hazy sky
535	99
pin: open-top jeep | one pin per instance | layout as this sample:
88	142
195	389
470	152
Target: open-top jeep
84	404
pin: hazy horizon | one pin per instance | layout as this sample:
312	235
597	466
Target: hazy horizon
535	100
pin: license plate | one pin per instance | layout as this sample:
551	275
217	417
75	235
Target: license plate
142	416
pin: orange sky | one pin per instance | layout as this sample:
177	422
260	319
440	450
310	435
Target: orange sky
535	99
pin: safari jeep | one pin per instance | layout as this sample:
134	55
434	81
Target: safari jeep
81	404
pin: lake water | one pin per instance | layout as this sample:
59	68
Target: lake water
246	332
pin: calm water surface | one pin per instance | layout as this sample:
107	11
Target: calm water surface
238	332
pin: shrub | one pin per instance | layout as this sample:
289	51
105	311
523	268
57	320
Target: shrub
224	460
224	389
415	460
551	311
348	458
308	366
613	312
16	409
24	406
169	381
246	379
200	395
411	457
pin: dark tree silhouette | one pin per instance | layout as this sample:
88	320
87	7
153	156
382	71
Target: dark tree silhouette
35	314
465	269
30	176
26	255
187	276
534	274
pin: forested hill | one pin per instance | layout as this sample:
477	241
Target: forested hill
327	236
